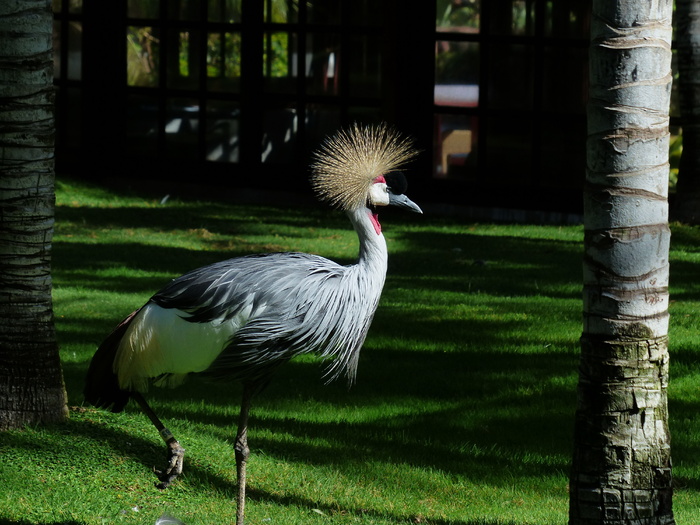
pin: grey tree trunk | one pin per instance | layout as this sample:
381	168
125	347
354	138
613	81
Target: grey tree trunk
31	381
621	472
686	207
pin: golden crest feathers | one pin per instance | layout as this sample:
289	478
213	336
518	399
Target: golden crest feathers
347	163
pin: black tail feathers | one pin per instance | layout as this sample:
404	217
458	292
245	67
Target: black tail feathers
101	383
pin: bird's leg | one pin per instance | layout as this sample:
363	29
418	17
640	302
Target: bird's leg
176	453
242	451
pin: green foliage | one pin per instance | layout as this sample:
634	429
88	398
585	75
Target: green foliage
462	413
276	55
224	55
458	14
674	157
142	55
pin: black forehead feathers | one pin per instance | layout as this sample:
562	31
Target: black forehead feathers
396	181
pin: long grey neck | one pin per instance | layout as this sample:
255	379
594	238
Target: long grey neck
373	252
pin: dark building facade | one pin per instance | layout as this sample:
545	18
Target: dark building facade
236	93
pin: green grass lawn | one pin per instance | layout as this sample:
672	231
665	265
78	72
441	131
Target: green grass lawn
463	409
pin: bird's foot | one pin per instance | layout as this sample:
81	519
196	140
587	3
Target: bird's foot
176	455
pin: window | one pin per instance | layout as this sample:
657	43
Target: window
510	90
317	66
230	88
68	71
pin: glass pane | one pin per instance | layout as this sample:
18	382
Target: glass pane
184	9
142	46
57	49
181	128
511	82
143	8
458	16
281	11
509	150
75	50
455	146
182	57
565	79
370	12
457	73
223	129
364	66
75	6
142	125
324	12
323	53
675	109
74	126
513	17
279	135
224	62
674	154
365	115
321	121
280	62
56	6
563	155
567	19
228	11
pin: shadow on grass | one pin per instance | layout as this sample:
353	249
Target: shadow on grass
481	410
368	514
284	501
24	522
470	263
685	285
475	421
77	264
484	410
232	221
103	437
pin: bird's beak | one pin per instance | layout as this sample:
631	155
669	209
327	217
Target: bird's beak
402	201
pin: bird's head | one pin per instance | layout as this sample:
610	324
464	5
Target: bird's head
358	167
389	190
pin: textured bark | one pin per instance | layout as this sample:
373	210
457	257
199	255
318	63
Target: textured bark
621	472
31	381
687	204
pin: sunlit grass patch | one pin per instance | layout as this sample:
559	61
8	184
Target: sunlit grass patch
463	408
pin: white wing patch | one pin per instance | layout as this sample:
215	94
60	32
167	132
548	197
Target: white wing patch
160	341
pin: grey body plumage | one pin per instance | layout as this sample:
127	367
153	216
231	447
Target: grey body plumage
240	319
307	304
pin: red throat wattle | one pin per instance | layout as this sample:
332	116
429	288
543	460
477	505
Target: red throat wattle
375	222
373	216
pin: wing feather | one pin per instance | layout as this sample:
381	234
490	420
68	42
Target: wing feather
274	306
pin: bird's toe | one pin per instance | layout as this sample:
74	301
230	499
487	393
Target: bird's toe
176	456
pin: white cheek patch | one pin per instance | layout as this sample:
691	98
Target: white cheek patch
378	194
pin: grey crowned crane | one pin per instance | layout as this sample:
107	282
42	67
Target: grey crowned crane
240	319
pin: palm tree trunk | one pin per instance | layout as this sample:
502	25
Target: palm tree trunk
621	471
687	204
31	381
